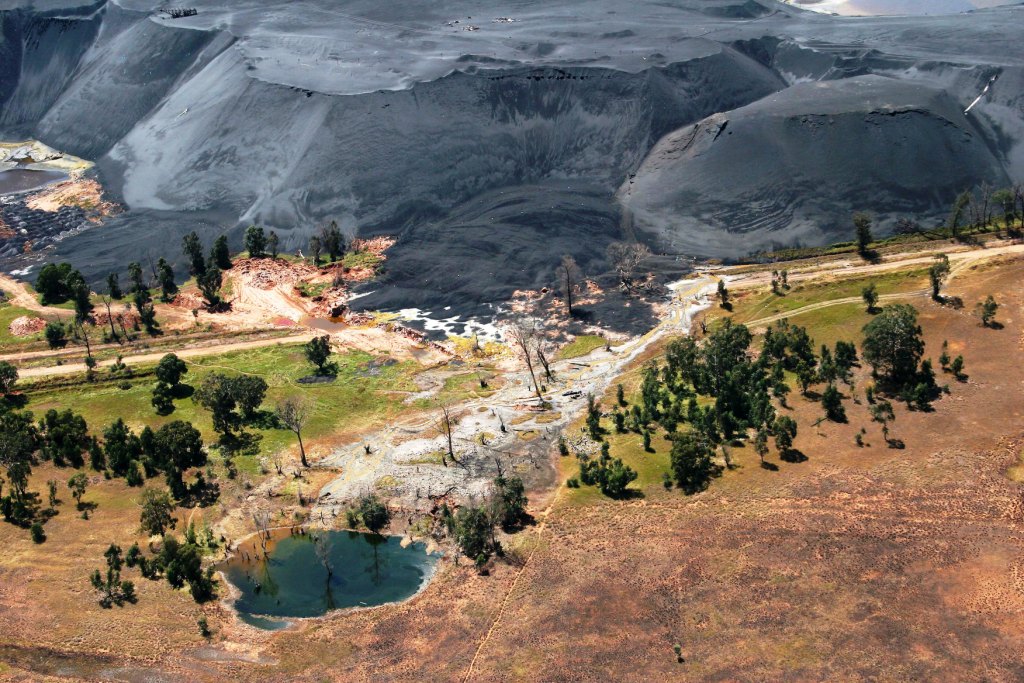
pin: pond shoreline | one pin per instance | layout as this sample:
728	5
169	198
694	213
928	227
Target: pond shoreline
344	555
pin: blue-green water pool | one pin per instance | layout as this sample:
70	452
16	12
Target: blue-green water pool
310	574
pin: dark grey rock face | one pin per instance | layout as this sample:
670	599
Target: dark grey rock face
492	138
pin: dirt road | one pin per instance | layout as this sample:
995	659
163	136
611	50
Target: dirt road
72	368
19	295
960	257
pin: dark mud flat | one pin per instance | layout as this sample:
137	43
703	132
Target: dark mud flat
491	147
292	581
17	180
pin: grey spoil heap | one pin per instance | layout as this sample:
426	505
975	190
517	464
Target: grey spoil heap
491	141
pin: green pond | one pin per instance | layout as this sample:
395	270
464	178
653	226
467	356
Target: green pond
309	574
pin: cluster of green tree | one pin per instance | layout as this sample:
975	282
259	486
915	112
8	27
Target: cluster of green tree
724	391
609	474
370	512
112	589
472	526
259	244
328	241
180	562
955	366
207	271
894	348
234	403
58	283
735	389
169	372
63	438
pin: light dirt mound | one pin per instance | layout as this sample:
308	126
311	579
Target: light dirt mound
25	326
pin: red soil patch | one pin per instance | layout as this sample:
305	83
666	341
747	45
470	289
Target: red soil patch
188	300
266	273
26	325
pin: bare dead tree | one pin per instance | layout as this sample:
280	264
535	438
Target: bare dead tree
261	520
90	362
569	273
543	358
1018	198
110	318
625	257
445	427
521	334
293	413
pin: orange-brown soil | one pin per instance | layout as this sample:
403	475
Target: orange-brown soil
855	564
87	194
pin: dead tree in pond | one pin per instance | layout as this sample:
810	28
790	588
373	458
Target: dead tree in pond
322	546
261	520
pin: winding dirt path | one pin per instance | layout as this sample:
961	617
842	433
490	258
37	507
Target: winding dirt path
831	302
19	295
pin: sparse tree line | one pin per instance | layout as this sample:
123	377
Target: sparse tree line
58	283
328	241
982	209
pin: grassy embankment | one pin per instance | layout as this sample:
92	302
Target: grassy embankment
8	342
581	346
366	393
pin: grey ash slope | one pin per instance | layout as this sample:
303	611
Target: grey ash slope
794	165
491	151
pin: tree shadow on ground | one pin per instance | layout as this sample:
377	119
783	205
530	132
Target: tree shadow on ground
181	391
263	419
793	455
